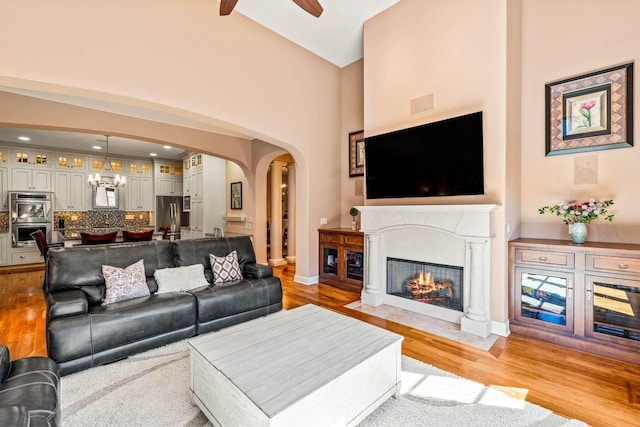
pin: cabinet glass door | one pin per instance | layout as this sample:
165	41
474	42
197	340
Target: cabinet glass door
354	265
545	298
330	261
613	309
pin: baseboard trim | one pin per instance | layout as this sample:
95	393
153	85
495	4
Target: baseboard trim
500	328
306	280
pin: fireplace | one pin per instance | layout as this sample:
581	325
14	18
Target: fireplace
429	239
428	283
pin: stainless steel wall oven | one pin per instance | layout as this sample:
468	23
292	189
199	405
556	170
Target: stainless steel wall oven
29	212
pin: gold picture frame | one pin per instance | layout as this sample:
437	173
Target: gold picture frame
356	153
590	112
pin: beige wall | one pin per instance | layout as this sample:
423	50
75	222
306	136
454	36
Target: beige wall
456	50
180	58
352	107
563	39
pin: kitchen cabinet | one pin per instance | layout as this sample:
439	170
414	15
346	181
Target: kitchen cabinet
169	179
138	193
341	262
96	164
5	247
4	189
70	191
69	161
30	179
581	296
139	167
207	208
4	156
35	158
25	255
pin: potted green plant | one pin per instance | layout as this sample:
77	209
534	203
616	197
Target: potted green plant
354	213
61	218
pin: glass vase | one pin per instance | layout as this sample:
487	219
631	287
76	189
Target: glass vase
579	232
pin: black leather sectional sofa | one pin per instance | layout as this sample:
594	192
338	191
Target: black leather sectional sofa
82	333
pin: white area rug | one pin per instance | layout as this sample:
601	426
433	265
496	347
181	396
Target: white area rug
152	389
424	323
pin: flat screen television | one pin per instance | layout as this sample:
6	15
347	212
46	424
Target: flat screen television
443	158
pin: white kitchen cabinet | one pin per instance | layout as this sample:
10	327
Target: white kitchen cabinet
206	188
69	161
196	220
70	191
137	167
4	189
5	247
26	255
138	192
168	187
30	179
168	178
35	158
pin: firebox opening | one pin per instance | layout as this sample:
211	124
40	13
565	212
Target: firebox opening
434	284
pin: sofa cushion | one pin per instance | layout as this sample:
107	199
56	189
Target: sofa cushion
180	279
124	283
225	268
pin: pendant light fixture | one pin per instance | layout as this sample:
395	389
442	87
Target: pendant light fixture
106	177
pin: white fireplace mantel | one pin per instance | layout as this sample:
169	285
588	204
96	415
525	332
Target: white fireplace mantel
447	234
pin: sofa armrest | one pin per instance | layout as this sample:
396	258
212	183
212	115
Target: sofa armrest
14	415
257	271
66	303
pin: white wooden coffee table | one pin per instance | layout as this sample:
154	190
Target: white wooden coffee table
307	366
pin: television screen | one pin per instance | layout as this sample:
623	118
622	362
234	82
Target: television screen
443	158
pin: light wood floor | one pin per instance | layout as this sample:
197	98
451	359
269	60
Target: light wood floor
571	383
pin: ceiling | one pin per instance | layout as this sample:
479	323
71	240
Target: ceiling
335	36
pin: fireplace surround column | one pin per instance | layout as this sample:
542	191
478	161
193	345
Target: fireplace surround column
371	293
476	319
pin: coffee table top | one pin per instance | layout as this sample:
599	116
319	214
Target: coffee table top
278	359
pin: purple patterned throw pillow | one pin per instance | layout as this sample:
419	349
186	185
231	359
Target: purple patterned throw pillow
125	283
225	268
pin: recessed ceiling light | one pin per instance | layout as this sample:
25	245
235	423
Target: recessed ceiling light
153	154
97	147
167	147
24	138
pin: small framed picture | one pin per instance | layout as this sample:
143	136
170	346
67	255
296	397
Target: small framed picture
356	153
590	112
236	195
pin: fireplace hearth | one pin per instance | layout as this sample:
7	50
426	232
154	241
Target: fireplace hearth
429	283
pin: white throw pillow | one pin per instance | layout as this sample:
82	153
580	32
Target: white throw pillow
180	279
225	268
124	283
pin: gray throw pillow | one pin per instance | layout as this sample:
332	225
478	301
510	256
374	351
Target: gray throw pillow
180	279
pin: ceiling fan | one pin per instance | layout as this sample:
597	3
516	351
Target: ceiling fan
311	6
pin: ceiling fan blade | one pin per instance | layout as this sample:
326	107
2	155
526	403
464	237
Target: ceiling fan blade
311	6
226	6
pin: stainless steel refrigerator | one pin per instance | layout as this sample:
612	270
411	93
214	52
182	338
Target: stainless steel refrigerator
169	216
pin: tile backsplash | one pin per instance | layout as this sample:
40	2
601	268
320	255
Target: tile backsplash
102	218
4	222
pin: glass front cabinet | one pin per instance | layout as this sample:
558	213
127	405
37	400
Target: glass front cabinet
581	296
341	262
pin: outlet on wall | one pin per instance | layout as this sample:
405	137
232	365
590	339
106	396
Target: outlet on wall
323	221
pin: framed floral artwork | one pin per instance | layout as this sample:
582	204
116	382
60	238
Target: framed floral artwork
590	112
356	153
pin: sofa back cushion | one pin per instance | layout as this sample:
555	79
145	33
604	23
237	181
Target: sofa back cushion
192	251
81	267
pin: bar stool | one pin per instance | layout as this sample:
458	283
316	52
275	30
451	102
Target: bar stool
98	239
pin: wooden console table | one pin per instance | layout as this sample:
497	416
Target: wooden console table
341	261
581	296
